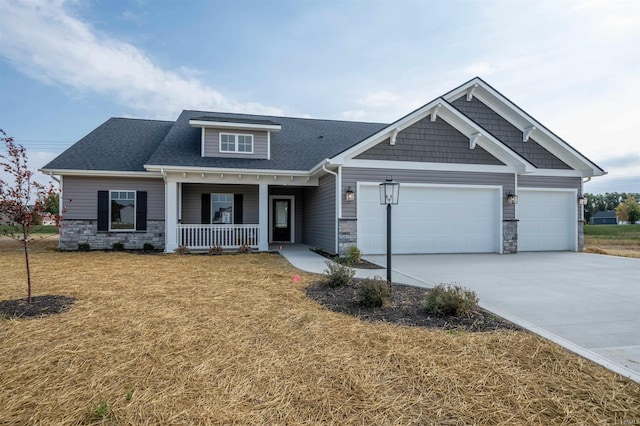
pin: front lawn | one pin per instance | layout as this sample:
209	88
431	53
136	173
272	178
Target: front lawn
169	339
617	240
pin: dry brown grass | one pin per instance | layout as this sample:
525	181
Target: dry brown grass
612	246
222	340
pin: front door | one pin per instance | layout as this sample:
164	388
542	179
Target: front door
281	220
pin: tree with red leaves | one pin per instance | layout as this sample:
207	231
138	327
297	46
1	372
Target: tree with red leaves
16	206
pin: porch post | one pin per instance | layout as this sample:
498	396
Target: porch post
263	217
171	216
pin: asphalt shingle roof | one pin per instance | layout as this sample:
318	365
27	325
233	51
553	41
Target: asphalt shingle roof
118	144
300	145
122	144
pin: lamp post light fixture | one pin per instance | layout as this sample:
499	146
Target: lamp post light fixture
389	193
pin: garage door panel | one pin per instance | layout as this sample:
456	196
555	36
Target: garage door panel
547	220
431	220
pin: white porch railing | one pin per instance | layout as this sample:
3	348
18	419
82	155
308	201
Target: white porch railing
225	236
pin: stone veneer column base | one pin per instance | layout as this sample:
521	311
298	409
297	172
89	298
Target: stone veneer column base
510	236
347	234
74	232
581	235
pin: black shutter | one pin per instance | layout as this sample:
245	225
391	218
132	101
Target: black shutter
205	212
141	210
237	208
103	210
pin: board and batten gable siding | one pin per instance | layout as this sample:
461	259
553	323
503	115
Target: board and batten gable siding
351	176
508	134
80	195
212	144
559	182
320	215
192	200
298	193
429	141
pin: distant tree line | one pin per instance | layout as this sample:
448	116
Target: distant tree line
625	204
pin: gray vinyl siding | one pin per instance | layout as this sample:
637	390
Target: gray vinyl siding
508	134
212	144
298	193
351	176
320	215
429	141
80	195
192	200
550	182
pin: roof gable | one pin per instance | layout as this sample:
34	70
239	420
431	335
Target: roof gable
523	122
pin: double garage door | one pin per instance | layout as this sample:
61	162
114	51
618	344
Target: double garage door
451	219
431	219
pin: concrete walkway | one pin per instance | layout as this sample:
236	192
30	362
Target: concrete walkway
586	303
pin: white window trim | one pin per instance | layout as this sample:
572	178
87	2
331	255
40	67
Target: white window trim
235	136
233	208
135	209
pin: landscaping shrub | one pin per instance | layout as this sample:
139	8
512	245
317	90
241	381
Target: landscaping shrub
84	247
374	292
117	246
215	250
244	249
447	299
148	247
337	275
352	255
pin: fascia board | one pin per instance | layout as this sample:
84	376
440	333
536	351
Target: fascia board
103	173
191	169
231	125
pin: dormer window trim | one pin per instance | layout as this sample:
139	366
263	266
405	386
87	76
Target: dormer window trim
236	143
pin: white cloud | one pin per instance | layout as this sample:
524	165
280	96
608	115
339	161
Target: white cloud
45	41
382	98
480	69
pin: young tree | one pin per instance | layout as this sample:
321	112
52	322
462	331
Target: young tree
16	206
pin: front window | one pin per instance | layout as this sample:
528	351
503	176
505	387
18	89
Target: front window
222	208
122	210
236	143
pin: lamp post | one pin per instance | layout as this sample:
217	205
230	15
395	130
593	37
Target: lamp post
389	192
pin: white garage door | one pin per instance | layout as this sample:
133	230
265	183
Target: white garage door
431	219
547	220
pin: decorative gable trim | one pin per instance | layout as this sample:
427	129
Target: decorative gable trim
440	108
530	128
233	125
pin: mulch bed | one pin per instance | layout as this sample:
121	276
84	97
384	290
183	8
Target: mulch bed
404	309
363	264
40	306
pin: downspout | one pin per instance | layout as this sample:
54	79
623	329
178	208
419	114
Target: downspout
54	178
337	215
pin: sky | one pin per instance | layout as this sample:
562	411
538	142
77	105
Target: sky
66	66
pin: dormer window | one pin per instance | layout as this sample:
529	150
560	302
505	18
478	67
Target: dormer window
240	143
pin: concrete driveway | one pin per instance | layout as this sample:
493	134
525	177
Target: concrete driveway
587	303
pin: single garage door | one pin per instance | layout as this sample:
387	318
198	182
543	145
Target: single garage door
431	219
547	220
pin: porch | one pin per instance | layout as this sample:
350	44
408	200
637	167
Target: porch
235	213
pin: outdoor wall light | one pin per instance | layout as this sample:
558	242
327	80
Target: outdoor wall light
350	195
582	200
512	198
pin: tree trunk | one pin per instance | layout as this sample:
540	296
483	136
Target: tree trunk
26	258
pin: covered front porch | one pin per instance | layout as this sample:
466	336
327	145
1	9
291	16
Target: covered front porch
232	211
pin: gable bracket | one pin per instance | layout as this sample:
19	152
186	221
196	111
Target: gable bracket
470	92
392	141
434	112
527	132
473	139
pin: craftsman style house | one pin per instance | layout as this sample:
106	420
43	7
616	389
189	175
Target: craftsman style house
476	173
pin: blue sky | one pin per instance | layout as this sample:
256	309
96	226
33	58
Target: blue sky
66	66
